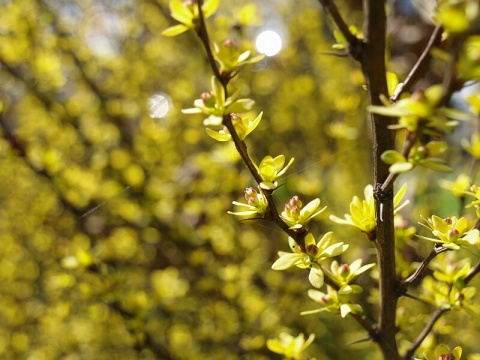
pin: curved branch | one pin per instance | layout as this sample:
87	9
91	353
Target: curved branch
426	330
420	65
362	320
473	271
352	40
204	38
419	271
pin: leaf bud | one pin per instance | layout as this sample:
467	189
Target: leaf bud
312	250
344	270
230	44
208	99
418	95
446	357
251	196
453	234
235	117
325	299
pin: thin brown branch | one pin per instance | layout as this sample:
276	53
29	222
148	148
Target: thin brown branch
352	40
362	320
426	330
422	267
473	272
420	65
331	8
202	33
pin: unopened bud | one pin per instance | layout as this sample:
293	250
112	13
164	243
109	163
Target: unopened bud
230	43
448	220
189	4
447	357
422	152
208	99
251	196
344	270
453	234
295	201
312	250
418	95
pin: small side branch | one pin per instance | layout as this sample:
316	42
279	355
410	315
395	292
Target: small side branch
362	320
426	330
420	65
204	38
331	8
473	271
419	271
353	43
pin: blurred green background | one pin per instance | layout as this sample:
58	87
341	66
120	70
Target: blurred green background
115	242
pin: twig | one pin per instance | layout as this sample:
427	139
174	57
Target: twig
420	65
473	271
331	8
352	40
204	38
413	297
426	330
362	320
421	268
450	76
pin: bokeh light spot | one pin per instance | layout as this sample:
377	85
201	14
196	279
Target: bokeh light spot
269	43
159	105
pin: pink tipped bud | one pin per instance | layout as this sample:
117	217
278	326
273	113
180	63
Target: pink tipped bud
295	201
251	196
418	95
448	220
230	43
235	117
208	99
325	299
447	357
190	4
344	270
292	210
453	234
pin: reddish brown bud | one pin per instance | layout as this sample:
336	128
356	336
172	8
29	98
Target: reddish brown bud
208	99
230	43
